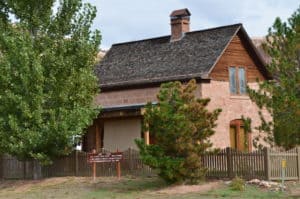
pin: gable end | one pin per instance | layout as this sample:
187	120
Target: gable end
240	52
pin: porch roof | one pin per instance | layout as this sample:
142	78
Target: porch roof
125	107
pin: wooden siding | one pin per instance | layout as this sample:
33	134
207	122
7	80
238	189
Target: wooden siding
237	54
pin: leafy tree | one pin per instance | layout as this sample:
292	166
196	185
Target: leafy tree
47	79
281	97
181	126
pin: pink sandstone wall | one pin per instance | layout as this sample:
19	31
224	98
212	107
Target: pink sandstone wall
233	107
131	96
127	97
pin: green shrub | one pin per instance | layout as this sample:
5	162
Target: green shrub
237	184
180	125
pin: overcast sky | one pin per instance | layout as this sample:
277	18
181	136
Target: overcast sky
128	20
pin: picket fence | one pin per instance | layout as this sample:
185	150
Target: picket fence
228	163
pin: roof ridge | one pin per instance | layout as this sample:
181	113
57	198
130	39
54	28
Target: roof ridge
141	40
214	28
166	36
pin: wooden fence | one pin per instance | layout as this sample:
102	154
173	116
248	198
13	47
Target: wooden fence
292	158
228	163
74	164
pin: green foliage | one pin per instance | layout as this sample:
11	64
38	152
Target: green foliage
181	126
247	127
47	79
237	184
282	95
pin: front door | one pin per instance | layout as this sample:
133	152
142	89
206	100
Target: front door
239	138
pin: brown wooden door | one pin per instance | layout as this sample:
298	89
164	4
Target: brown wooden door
239	138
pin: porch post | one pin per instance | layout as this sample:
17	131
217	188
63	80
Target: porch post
146	133
97	136
147	138
298	161
94	167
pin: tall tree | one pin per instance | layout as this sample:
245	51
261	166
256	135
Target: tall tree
47	79
181	126
281	97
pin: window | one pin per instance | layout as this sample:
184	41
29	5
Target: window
232	76
242	80
237	80
239	138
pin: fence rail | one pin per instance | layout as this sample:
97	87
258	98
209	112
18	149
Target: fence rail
292	158
228	163
74	164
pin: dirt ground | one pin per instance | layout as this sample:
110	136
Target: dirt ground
25	185
294	189
130	188
202	188
176	189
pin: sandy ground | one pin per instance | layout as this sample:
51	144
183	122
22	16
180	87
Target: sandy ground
182	189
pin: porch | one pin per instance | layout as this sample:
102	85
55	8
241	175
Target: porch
116	128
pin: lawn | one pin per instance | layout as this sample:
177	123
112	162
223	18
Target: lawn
126	188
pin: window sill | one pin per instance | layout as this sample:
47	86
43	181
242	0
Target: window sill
241	97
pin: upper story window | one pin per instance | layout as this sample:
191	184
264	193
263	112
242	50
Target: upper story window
237	80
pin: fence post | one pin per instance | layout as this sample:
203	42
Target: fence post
37	170
130	159
24	169
76	162
298	162
1	166
229	163
267	163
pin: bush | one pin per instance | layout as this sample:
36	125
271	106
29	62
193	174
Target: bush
237	184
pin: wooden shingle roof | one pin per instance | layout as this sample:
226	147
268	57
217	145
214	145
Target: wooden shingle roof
158	60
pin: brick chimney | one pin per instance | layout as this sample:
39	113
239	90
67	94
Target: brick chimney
180	23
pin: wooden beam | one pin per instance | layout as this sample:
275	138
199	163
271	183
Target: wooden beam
119	170
97	137
147	137
120	114
143	110
298	161
94	167
146	133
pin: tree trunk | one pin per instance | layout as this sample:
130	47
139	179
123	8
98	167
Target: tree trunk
37	170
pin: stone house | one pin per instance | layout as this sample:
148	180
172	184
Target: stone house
223	60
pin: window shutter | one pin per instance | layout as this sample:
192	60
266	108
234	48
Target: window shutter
232	77
242	80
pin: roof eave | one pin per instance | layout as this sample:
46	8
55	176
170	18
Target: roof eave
150	82
257	54
223	51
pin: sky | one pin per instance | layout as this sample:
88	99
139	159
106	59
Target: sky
129	20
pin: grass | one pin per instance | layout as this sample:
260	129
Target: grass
249	192
126	188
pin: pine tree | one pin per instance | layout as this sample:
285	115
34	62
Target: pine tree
180	125
281	97
47	79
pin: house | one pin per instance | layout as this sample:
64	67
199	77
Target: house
222	60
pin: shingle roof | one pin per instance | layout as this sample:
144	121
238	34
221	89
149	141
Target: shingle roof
158	59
